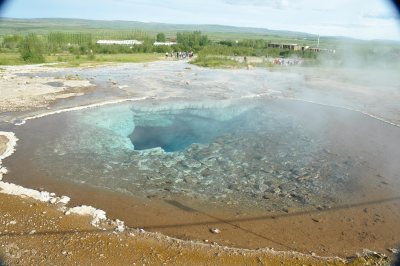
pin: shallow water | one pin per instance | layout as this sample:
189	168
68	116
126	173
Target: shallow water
177	131
281	151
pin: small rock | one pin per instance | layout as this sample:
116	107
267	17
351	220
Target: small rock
215	231
289	210
394	250
120	226
53	200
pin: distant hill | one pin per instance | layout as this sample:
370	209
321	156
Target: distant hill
44	25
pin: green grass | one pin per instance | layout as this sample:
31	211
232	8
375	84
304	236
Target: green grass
11	59
216	62
69	60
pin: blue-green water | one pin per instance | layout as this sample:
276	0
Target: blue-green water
183	130
233	153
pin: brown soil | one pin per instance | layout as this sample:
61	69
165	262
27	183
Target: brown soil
340	231
35	233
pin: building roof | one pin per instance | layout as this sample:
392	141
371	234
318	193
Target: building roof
120	42
164	43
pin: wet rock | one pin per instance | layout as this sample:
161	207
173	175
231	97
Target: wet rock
266	197
191	163
206	172
215	231
394	250
261	187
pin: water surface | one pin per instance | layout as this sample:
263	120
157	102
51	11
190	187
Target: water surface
280	151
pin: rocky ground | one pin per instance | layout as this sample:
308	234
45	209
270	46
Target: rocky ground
3	142
30	91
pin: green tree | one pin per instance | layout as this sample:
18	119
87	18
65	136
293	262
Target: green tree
32	49
160	37
12	41
191	40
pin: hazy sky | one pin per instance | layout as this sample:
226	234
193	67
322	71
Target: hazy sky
365	19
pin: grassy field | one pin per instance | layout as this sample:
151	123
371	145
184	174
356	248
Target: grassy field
217	62
126	29
105	28
73	41
69	60
10	59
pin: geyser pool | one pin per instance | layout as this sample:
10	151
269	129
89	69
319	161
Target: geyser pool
178	130
235	154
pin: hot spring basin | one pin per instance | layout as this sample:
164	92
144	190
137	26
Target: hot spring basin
291	153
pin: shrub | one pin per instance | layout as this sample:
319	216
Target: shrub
32	49
160	37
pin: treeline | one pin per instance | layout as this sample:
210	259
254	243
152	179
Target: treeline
32	47
238	50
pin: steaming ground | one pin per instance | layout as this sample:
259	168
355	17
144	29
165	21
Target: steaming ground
346	231
374	90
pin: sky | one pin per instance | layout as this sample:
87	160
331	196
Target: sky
362	19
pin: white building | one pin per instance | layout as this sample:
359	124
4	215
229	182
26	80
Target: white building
119	42
164	43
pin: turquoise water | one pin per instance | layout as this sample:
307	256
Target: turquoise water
182	130
233	153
